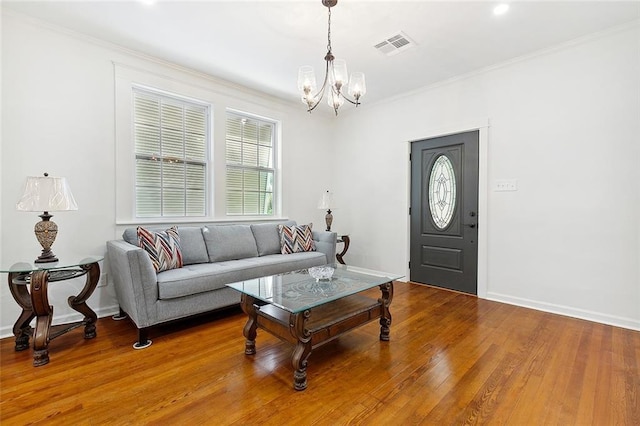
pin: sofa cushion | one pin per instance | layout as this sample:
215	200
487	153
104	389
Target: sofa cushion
229	242
267	237
163	247
296	239
191	243
130	235
195	279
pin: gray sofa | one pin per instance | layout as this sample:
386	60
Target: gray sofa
213	255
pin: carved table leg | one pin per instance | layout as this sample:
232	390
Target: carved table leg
21	329
78	303
250	327
339	256
44	314
385	319
298	328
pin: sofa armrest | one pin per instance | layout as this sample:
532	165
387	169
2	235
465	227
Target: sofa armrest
326	243
135	281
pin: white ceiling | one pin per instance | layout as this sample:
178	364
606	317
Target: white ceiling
261	44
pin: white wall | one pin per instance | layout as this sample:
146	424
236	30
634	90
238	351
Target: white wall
565	123
58	116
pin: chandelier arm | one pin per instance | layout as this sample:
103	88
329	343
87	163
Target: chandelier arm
320	93
356	102
318	102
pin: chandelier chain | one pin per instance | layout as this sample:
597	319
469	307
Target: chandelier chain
329	31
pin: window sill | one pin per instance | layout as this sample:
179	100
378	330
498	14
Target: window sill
199	220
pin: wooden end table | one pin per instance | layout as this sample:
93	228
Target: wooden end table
29	283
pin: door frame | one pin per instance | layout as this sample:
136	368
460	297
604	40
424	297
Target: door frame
482	126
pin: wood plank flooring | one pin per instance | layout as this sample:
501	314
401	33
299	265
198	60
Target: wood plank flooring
453	359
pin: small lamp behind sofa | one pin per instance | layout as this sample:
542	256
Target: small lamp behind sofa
325	203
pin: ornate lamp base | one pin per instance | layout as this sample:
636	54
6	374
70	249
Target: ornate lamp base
328	219
46	231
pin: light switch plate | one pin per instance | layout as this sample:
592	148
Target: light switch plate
505	185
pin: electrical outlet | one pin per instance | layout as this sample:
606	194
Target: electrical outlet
103	280
505	185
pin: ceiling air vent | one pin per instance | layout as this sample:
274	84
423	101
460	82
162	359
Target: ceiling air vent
395	44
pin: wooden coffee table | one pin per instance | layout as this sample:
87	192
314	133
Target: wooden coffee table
309	312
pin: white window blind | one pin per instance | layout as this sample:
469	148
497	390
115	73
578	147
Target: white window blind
171	155
250	165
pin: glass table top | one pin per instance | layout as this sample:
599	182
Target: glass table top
297	291
63	262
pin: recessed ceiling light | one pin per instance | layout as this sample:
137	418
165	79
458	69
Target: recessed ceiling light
501	9
148	2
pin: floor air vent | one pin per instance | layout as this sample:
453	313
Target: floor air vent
395	44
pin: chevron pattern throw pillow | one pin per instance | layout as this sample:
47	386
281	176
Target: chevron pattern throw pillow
296	238
163	247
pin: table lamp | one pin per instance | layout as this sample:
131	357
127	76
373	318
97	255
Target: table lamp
46	194
325	203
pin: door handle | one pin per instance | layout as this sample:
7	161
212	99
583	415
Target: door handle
470	225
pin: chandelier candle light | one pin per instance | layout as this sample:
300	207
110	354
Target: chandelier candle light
335	74
46	194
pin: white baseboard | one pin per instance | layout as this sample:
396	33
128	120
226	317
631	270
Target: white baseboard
623	322
64	319
614	320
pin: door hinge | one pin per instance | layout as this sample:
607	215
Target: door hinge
409	265
409	211
409	156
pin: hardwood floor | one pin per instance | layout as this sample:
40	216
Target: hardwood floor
452	359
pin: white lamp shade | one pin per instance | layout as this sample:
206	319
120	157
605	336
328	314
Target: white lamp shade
326	201
334	100
306	79
46	194
340	73
357	85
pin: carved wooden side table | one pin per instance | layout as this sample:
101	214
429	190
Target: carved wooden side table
29	284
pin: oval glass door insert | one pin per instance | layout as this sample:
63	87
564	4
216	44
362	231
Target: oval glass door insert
442	192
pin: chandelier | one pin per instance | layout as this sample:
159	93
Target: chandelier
336	78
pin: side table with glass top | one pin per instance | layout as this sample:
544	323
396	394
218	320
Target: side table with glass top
29	282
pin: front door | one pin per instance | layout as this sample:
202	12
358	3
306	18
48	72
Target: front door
444	212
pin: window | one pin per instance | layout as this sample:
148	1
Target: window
442	192
171	153
250	165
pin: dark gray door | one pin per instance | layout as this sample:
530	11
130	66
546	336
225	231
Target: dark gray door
444	212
